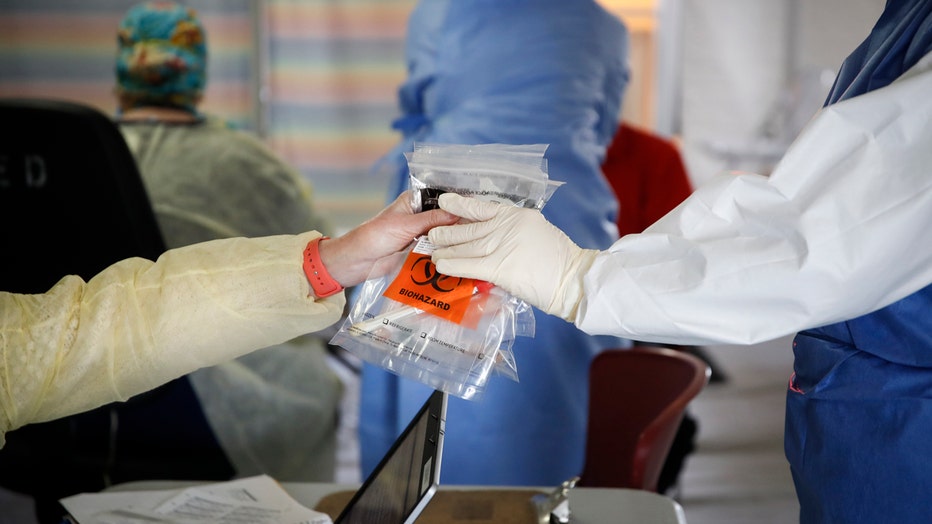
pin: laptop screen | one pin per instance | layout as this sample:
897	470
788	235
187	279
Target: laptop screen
400	487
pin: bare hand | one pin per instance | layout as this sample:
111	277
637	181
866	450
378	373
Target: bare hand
351	257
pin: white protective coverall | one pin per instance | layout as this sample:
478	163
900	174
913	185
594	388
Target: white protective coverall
835	245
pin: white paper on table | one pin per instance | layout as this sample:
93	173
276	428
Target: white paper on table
252	500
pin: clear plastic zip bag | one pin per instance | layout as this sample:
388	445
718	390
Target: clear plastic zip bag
503	173
447	332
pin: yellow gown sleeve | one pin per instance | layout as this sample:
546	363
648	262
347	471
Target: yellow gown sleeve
139	324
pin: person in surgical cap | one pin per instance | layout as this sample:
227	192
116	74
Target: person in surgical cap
513	72
274	411
139	324
834	245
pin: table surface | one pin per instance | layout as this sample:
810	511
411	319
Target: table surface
588	505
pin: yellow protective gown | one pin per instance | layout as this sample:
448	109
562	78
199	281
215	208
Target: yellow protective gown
274	411
139	324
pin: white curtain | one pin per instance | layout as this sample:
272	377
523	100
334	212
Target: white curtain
753	71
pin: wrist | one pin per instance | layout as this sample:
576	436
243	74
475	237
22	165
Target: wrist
315	269
345	262
572	288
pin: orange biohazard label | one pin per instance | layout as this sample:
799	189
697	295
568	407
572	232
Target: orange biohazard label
419	285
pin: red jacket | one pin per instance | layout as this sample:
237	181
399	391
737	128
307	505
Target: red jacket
648	176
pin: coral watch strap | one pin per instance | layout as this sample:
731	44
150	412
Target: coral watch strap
321	282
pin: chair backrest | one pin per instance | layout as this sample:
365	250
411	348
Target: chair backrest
71	198
72	201
637	398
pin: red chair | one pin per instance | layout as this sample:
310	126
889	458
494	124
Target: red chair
637	398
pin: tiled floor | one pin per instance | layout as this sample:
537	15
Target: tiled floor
737	475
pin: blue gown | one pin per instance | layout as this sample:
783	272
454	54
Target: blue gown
518	72
859	407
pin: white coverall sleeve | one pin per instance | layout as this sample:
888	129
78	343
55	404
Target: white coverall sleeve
139	324
841	228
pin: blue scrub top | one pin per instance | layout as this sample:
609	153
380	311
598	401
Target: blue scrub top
515	72
859	407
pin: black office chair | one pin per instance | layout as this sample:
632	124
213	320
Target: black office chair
72	202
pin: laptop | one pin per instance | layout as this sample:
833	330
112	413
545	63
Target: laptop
399	488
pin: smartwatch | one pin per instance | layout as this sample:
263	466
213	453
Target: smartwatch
321	282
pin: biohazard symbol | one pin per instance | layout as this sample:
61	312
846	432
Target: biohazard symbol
420	285
432	277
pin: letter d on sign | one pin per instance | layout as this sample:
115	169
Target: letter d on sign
36	175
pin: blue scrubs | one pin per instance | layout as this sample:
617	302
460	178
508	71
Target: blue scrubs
517	72
859	407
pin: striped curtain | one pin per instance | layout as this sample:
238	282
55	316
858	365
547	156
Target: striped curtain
316	78
66	50
332	83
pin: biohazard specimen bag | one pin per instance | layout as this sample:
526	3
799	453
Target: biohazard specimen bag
450	333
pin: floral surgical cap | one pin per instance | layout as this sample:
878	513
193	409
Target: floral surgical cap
162	56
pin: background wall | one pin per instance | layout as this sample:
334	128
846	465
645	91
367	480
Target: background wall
732	80
334	69
66	49
753	72
316	78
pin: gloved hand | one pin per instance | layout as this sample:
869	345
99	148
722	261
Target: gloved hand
514	248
